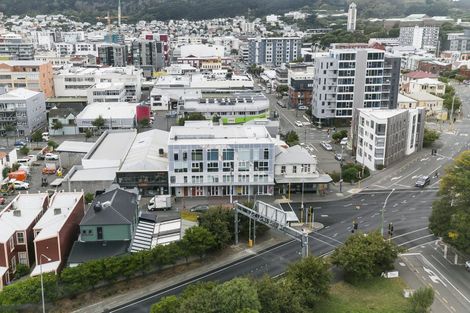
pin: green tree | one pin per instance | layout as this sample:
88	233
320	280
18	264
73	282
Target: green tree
351	174
276	296
57	125
292	138
364	256
422	299
5	171
36	137
195	116
88	134
24	150
168	304
199	240
337	136
450	215
218	221
98	123
236	295
430	135
53	144
8	129
282	89
198	298
310	279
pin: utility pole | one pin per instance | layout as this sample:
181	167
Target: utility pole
452	112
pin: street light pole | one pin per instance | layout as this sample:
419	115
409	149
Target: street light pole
383	210
231	185
42	282
452	111
341	171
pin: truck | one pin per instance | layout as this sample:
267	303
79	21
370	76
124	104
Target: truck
49	168
18	175
160	203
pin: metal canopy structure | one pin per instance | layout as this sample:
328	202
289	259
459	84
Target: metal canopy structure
272	217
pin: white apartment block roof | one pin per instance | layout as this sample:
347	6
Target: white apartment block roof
144	154
28	205
382	114
18	94
428	81
227	134
108	110
75	146
295	155
60	207
239	102
85	71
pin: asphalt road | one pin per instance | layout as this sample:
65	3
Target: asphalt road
426	266
409	217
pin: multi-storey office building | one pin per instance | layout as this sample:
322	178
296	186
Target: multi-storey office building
32	75
273	50
382	137
23	109
207	160
112	55
353	78
420	37
107	92
459	42
17	49
148	55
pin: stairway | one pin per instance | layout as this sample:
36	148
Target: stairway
143	236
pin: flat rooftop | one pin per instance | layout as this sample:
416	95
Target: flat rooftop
75	146
112	145
108	110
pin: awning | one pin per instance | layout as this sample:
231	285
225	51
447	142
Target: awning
322	179
46	268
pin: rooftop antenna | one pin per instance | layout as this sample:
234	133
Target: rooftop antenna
119	14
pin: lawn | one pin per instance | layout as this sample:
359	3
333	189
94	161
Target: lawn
376	296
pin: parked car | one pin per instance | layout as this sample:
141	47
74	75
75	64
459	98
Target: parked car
171	114
20	185
423	181
298	124
326	146
20	144
40	156
338	156
199	208
344	141
51	156
45	136
467	266
302	107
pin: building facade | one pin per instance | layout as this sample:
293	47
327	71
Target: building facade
273	50
420	37
113	55
148	55
382	137
32	75
207	160
353	78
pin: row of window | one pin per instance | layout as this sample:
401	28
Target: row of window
226	155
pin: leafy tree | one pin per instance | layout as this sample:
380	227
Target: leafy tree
36	137
199	240
98	122
88	134
450	215
292	138
53	144
198	298
236	295
5	171
282	89
337	136
195	116
234	52
218	221
422	299
310	279
168	304
56	125
351	174
143	123
277	296
364	256
430	135
24	150
8	129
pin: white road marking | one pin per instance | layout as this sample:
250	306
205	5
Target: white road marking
402	244
346	205
411	232
395	178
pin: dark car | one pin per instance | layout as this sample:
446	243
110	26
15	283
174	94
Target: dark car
423	181
199	208
20	143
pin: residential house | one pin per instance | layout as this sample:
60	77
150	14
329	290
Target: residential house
428	85
433	105
17	220
56	231
64	117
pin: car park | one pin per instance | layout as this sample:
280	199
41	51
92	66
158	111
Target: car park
298	124
326	146
199	208
51	156
423	181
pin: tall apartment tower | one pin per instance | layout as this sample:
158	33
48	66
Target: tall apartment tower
273	50
347	79
352	14
147	55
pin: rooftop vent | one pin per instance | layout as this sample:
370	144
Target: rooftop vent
16	212
57	211
161	152
97	206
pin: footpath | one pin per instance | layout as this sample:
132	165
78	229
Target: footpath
231	255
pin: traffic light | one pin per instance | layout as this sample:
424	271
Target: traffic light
355	225
390	229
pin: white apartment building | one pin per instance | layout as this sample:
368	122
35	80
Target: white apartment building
382	137
420	37
116	115
106	92
75	81
231	108
429	85
208	160
352	15
273	50
353	78
86	48
64	49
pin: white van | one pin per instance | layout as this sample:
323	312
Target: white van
24	161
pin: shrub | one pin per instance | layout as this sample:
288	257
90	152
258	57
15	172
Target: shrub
89	197
422	299
53	144
21	270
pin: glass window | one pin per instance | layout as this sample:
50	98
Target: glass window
212	155
175	156
20	237
213	166
283	169
227	166
266	154
228	154
196	155
197	167
294	169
